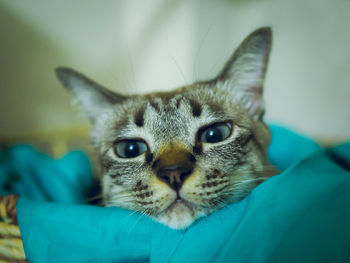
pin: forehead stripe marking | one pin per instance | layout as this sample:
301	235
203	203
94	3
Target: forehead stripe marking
196	108
139	117
178	101
215	107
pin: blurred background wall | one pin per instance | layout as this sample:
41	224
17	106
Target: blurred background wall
137	46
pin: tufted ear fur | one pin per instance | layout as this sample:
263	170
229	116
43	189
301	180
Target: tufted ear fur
94	98
244	72
97	102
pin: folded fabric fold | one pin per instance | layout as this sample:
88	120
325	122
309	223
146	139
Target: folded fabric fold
53	232
26	171
300	215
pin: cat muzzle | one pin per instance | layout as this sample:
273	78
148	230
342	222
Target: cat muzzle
175	175
173	166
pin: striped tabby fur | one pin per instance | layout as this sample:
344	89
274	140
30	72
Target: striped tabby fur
180	178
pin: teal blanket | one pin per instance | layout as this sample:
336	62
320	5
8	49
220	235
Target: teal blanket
300	215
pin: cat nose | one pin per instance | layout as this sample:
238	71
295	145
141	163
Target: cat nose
173	165
175	175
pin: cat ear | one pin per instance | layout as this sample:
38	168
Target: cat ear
244	72
94	98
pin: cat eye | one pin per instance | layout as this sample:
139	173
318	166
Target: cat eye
216	132
130	148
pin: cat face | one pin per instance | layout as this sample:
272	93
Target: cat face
177	156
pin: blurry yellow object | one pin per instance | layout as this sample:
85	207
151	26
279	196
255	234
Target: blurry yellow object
11	247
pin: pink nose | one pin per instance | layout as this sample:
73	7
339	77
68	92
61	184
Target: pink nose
175	175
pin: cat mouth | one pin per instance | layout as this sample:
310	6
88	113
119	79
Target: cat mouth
180	214
180	202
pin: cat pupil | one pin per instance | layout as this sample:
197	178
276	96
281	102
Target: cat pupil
131	150
213	135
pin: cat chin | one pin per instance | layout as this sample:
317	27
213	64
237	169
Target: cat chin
180	215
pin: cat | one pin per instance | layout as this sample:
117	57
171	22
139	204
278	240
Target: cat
178	156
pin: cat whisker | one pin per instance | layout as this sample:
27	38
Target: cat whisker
135	211
121	194
194	75
142	214
120	200
93	198
250	180
257	179
179	69
135	86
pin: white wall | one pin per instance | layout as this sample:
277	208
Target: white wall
140	46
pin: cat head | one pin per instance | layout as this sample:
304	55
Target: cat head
177	156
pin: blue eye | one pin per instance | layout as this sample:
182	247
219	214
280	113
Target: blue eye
216	132
129	148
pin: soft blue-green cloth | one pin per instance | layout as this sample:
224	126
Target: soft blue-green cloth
26	171
301	215
287	147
